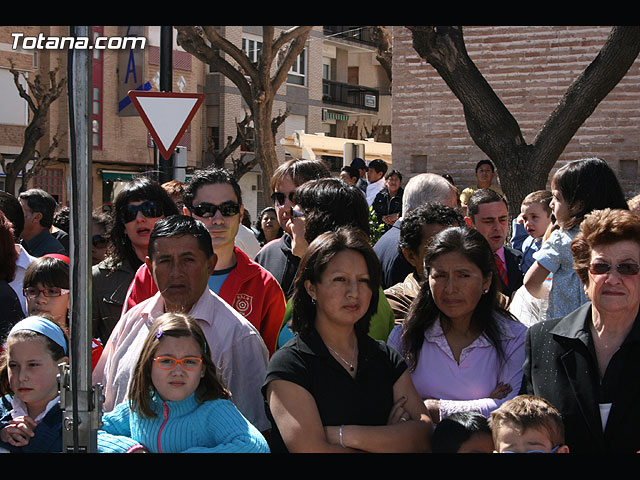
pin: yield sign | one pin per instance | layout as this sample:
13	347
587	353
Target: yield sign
166	115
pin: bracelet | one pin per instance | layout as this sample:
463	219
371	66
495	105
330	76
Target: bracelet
340	436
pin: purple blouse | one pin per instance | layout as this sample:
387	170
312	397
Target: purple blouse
467	385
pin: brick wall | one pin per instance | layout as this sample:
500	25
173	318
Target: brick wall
530	68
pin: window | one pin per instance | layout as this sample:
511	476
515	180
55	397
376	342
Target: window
252	46
15	110
297	73
326	75
50	180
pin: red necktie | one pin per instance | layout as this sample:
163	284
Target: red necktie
501	270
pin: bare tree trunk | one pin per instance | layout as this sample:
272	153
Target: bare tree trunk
259	91
39	100
523	168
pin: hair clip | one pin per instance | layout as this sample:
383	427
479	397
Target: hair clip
159	332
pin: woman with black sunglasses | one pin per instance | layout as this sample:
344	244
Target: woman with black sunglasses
138	206
587	362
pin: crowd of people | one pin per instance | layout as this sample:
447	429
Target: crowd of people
455	331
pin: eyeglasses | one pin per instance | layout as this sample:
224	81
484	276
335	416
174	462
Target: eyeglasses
279	198
206	210
149	209
100	240
553	450
622	268
33	292
296	213
169	363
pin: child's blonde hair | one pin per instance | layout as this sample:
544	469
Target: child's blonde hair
525	412
543	197
173	325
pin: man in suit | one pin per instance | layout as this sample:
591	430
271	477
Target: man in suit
487	212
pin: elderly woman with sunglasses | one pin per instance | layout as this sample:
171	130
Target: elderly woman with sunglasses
138	206
587	363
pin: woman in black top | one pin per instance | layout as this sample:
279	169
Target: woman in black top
332	387
138	206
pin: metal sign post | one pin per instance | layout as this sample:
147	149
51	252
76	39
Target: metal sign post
79	401
165	165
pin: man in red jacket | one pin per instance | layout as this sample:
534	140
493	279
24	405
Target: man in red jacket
214	197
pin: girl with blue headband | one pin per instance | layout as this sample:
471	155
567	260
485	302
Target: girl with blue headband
30	413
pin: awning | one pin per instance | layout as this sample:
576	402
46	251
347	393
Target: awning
308	146
337	116
118	176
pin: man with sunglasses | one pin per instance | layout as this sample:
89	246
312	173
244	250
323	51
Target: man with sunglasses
276	256
214	197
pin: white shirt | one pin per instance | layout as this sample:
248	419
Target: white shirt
237	351
23	262
373	189
247	242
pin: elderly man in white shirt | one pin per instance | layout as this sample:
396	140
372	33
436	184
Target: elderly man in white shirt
180	259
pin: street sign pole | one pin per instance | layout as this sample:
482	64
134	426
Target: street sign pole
165	170
79	401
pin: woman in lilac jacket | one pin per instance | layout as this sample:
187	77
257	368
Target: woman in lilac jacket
464	351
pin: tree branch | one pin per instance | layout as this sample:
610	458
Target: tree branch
232	145
489	122
587	91
296	47
384	49
230	49
277	121
191	39
266	57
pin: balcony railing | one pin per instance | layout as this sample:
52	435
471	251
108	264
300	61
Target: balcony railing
350	95
358	33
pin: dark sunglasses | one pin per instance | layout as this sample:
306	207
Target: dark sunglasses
296	213
149	209
206	210
100	240
622	268
279	198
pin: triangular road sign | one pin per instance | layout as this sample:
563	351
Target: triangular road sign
166	115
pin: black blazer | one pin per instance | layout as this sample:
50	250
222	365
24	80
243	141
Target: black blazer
560	365
515	276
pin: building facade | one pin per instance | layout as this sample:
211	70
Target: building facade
529	68
121	144
335	88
